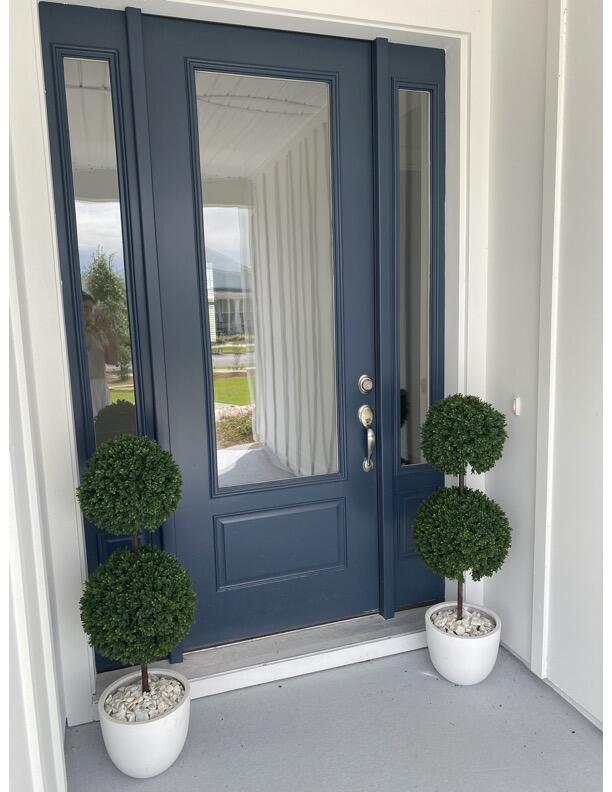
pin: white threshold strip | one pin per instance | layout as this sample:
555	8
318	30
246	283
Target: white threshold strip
305	664
257	661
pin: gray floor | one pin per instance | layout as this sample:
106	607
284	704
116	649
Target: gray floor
390	725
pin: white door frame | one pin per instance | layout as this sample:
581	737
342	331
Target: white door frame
462	29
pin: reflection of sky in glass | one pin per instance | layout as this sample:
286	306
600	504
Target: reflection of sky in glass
99	224
222	230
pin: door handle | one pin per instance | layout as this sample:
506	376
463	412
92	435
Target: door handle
365	414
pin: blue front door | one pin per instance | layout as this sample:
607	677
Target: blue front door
278	207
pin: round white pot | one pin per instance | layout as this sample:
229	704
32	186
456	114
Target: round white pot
461	659
143	750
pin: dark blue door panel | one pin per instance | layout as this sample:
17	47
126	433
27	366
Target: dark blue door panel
295	552
417	70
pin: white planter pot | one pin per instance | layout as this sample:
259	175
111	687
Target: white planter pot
143	750
461	659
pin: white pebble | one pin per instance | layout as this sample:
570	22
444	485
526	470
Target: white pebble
130	704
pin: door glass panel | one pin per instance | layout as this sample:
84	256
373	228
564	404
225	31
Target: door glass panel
265	162
100	244
414	253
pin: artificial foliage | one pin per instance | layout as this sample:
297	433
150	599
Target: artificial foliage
137	606
462	432
455	532
130	485
459	529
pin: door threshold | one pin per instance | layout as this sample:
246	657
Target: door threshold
257	661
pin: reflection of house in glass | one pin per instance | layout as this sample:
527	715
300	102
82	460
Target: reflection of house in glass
230	295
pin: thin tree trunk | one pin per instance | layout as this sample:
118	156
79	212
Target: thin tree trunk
144	673
460	598
460	581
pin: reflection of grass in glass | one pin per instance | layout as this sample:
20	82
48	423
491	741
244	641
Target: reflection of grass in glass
232	390
231	349
117	394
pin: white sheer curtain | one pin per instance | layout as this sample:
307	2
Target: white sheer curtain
294	304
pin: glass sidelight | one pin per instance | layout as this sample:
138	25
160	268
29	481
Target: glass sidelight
414	263
106	332
264	151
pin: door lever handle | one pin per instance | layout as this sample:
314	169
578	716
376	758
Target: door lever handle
365	415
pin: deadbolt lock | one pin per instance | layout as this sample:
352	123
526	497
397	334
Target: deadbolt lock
365	383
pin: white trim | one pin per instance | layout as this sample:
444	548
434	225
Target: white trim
463	29
595	721
306	664
31	630
549	279
298	665
37	293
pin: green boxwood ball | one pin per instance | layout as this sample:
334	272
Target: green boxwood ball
455	533
463	431
136	607
130	485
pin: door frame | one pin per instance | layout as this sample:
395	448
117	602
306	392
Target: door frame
464	33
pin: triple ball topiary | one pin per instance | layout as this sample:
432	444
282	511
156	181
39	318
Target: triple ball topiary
139	604
460	529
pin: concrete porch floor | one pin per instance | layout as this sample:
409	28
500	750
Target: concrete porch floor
388	725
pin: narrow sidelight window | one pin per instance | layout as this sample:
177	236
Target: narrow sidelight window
414	262
106	331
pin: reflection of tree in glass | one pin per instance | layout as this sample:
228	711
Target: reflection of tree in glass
110	313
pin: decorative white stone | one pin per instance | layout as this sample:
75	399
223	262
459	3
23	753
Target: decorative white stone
474	624
129	703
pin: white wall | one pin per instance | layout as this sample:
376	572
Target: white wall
518	60
544	335
36	707
44	387
576	583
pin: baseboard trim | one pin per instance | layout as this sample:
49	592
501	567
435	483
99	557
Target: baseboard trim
305	664
595	721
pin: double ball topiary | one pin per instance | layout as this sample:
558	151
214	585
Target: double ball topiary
139	604
459	529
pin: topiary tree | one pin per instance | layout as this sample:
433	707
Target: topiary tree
460	529
139	604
